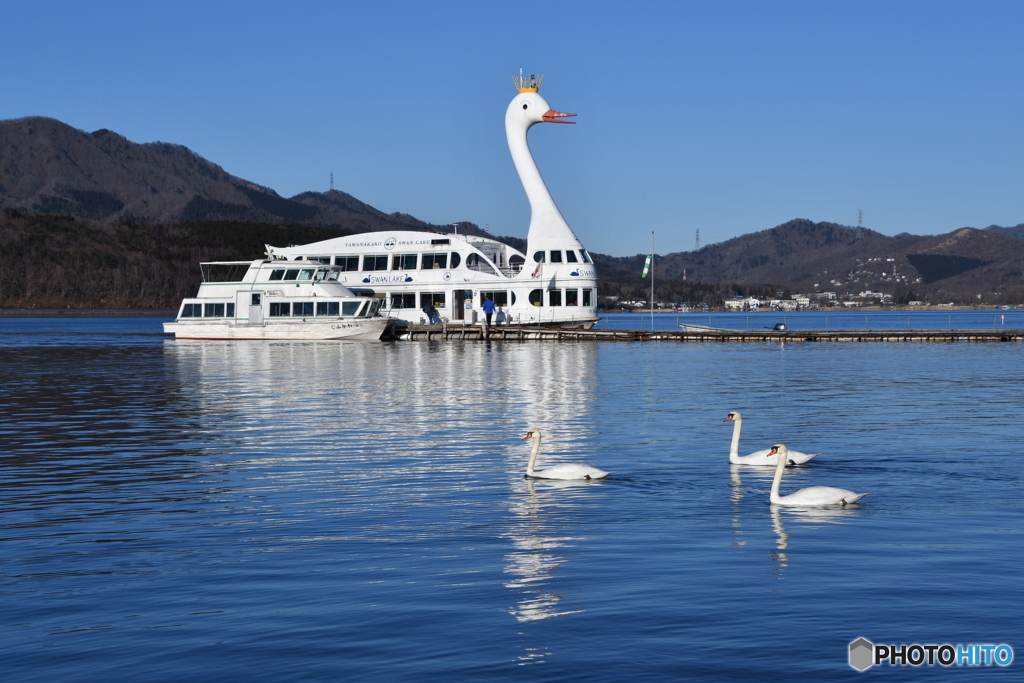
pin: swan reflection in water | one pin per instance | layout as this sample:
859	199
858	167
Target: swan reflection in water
780	515
539	552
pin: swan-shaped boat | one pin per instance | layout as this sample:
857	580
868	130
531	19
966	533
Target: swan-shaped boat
566	471
554	283
758	458
812	496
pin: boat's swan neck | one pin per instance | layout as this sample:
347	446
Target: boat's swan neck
548	228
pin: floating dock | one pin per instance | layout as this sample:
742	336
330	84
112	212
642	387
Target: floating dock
533	333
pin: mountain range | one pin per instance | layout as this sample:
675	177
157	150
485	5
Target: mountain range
50	168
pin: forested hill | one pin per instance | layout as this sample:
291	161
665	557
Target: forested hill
49	167
805	256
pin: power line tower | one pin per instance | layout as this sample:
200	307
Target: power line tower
860	226
696	242
332	181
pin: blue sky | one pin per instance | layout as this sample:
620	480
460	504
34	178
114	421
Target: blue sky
723	117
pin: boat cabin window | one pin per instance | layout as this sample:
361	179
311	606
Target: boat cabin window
224	272
456	259
572	296
570	256
500	298
537	296
434	261
191	311
306	274
555	297
556	256
375	307
277	274
403	262
538	257
588	297
585	255
255	301
280	309
350	307
436	299
326	260
291	274
375	262
475	262
516	262
403	300
213	310
441	241
302	308
347	263
327	308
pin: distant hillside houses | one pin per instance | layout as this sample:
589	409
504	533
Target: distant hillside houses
801	302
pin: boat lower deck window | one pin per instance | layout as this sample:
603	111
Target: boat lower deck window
302	308
280	309
572	297
434	261
536	297
347	263
435	299
213	310
375	262
403	300
588	297
191	311
555	297
327	308
500	298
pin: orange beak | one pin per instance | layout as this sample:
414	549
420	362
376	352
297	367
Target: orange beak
552	116
772	452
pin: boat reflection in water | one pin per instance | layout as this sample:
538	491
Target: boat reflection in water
539	551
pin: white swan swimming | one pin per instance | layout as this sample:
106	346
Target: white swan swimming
812	496
566	471
758	458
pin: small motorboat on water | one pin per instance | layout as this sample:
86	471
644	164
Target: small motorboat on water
274	299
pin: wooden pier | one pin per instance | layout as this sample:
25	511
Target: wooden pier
449	332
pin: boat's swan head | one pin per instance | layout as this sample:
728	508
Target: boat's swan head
529	108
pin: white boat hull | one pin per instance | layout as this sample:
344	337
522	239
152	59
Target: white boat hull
369	329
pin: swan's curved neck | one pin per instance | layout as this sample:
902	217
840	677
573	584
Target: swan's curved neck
547	227
734	449
774	496
533	454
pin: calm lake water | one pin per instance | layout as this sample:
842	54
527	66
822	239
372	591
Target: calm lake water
268	511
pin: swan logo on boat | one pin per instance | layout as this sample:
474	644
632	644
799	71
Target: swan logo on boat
864	654
390	243
447	276
585	273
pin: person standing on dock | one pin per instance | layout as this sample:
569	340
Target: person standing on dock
433	316
488	309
